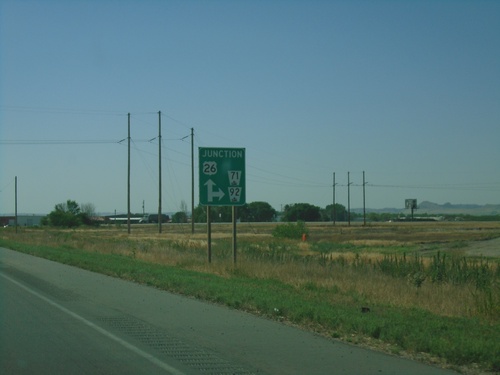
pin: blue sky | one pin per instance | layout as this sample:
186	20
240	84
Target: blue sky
407	91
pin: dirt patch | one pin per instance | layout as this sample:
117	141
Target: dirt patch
487	248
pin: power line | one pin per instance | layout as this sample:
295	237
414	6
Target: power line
56	142
72	111
478	186
68	141
6	186
177	121
292	181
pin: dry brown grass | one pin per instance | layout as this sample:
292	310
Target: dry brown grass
371	286
177	246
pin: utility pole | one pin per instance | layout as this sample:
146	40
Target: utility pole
128	178
159	172
364	201
192	180
15	202
348	200
334	213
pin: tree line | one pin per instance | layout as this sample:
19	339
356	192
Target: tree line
264	212
70	214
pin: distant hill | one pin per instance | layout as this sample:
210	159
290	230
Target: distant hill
466	209
427	207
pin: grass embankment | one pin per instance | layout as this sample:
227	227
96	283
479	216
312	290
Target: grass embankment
415	307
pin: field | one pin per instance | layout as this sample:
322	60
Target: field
430	291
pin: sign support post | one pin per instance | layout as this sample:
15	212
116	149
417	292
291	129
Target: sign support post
209	235
234	234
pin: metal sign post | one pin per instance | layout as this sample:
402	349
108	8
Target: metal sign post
234	233
209	235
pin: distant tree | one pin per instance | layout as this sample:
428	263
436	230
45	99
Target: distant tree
68	214
87	211
340	213
302	212
184	207
200	214
256	212
180	217
69	206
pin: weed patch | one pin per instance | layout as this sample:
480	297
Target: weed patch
291	230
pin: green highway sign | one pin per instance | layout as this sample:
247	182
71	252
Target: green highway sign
222	176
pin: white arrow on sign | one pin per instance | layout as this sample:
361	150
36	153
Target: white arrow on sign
211	193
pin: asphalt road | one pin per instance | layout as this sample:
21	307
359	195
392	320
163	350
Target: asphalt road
57	319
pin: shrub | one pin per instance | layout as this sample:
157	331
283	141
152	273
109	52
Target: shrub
291	230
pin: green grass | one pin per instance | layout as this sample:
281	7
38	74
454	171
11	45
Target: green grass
330	311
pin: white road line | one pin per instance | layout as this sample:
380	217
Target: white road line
136	350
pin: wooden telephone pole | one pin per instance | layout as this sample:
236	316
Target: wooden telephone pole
15	217
334	213
364	200
348	199
192	180
159	172
128	178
